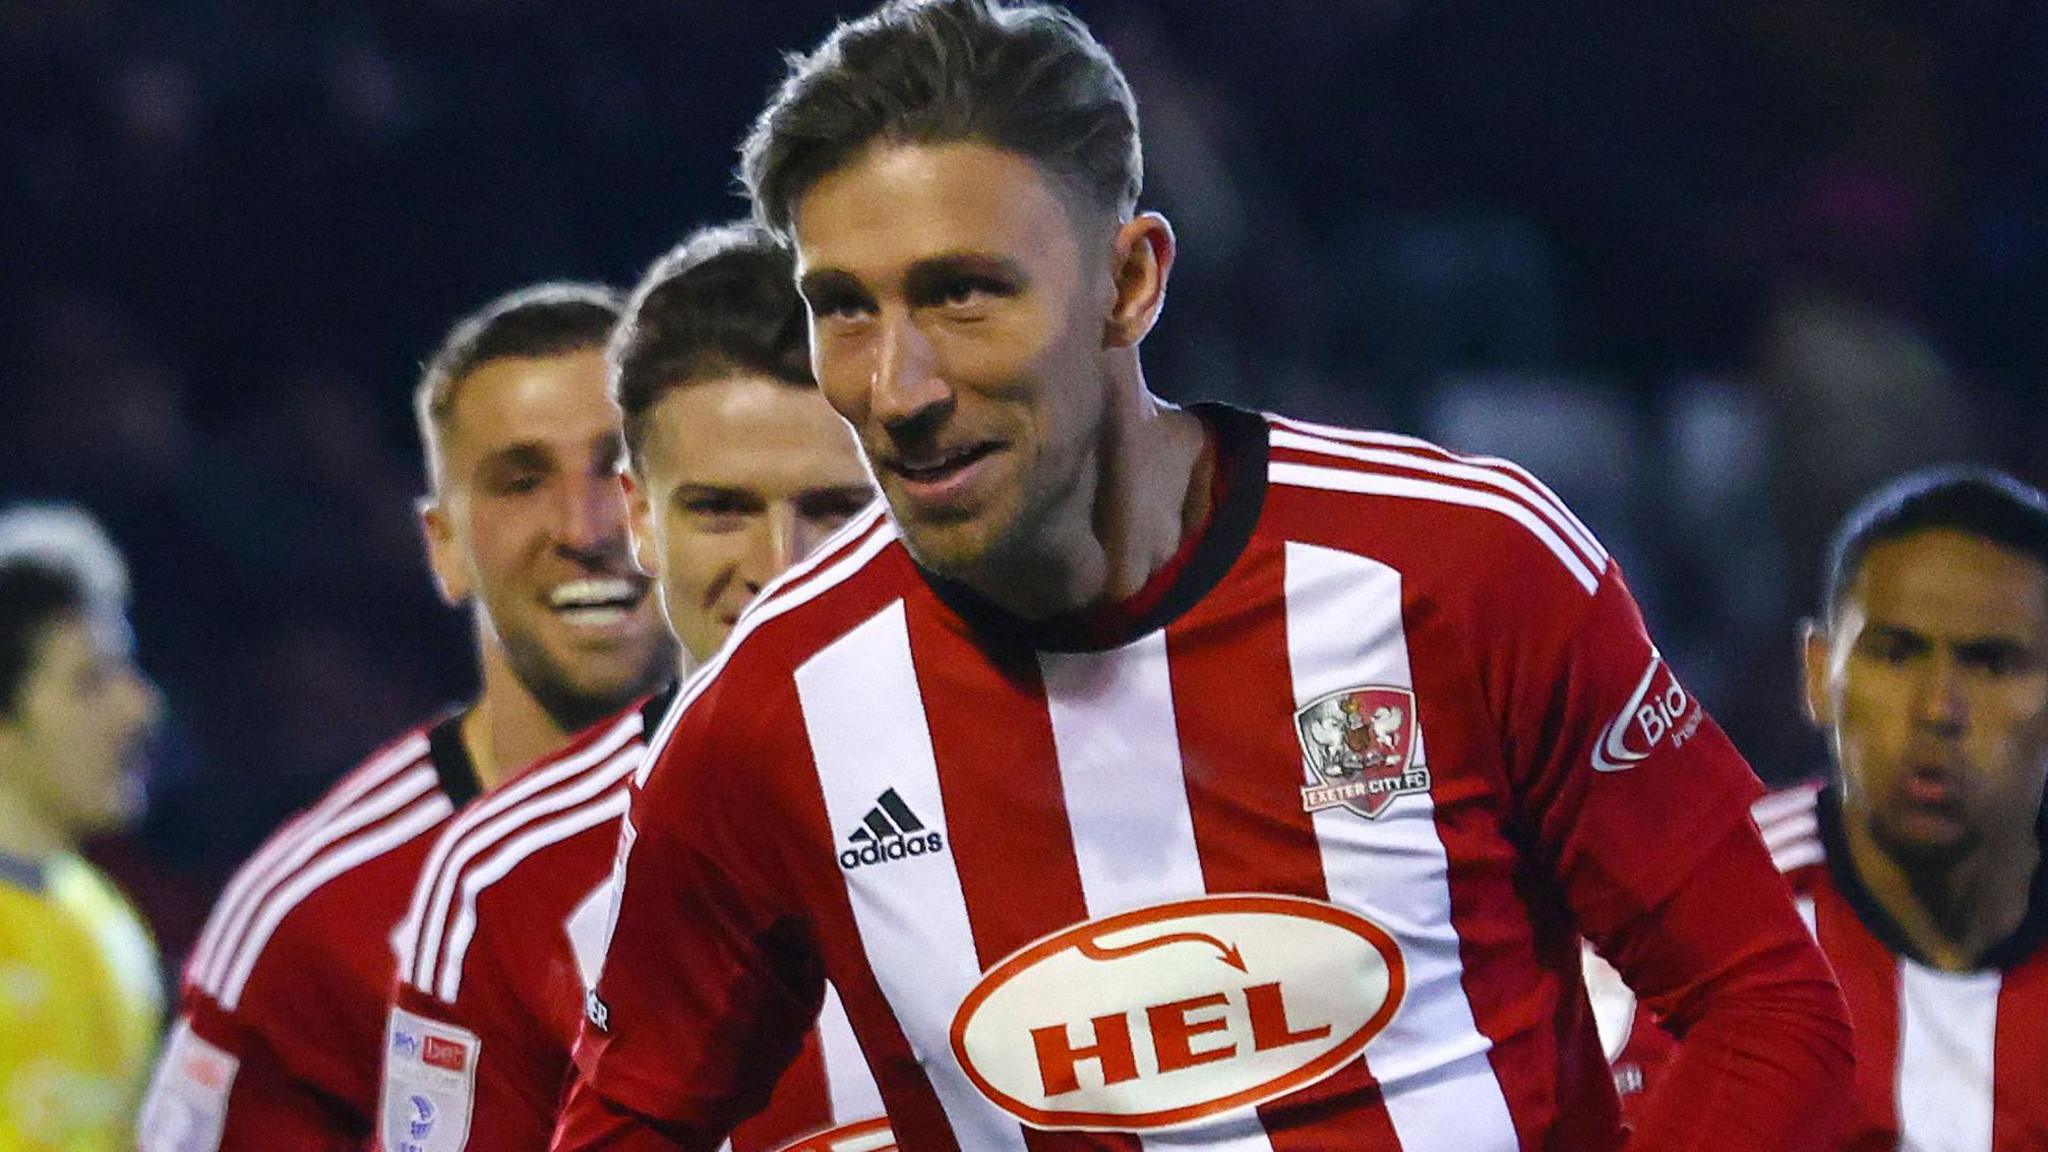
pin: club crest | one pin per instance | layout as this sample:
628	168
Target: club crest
1358	749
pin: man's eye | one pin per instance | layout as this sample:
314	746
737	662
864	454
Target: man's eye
841	309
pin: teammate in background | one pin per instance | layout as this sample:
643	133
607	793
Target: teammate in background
739	469
1023	769
80	1001
1918	865
284	996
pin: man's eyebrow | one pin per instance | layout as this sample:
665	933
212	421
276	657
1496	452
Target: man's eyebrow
525	454
935	271
827	280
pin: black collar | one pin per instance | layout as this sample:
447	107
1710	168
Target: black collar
2023	942
656	709
1241	449
452	764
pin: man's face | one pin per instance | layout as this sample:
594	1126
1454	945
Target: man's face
1933	683
530	523
739	479
958	320
74	742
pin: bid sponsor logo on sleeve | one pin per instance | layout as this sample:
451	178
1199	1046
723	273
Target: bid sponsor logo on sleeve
865	1136
1658	711
429	1084
1166	1016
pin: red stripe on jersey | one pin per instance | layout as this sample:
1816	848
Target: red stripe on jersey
800	1093
2019	1092
1011	841
1250	826
1869	976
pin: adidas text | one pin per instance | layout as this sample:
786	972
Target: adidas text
894	848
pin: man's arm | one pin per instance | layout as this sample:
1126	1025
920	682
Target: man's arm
220	1087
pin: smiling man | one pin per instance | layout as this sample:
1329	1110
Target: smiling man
283	998
1039	770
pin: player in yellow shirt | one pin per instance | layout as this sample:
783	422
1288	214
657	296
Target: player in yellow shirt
80	995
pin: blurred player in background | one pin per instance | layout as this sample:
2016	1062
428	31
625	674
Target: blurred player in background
1918	865
81	1003
1163	777
284	996
739	469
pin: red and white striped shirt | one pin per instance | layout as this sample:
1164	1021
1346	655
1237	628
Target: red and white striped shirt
282	1014
1297	861
1945	1061
503	937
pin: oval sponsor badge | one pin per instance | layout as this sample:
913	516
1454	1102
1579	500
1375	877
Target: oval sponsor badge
1165	1016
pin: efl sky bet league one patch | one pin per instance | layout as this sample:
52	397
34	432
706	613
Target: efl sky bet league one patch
429	1084
187	1106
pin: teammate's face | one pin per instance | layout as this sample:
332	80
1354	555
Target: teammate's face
739	478
73	744
958	315
530	523
1933	684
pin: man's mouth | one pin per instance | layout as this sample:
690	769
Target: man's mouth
937	473
597	601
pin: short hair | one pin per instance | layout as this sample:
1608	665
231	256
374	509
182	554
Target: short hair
1026	78
55	562
1980	502
722	303
550	319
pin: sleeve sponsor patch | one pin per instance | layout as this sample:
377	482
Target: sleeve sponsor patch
187	1106
429	1084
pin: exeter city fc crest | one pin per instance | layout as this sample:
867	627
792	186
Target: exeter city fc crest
1358	747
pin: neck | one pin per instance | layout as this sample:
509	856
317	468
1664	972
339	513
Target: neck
27	832
1955	912
507	728
1146	490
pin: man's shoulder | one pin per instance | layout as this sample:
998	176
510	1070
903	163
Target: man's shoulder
1438	516
334	875
521	855
1789	819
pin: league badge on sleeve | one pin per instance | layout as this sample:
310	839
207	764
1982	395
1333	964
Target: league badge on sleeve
187	1106
1359	749
429	1084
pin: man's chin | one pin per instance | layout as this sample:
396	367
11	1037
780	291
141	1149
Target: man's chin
1921	840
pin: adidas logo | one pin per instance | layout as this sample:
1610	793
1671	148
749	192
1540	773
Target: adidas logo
890	831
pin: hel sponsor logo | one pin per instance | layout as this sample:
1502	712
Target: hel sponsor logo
865	1136
429	1085
1658	710
1359	747
1169	1015
891	831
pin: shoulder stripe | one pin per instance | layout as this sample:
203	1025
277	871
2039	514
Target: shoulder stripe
1417	445
1452	469
418	819
258	874
430	890
836	546
774	601
607	808
1790	823
1407	488
575	788
308	851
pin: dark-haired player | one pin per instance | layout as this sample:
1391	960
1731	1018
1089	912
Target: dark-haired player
1157	777
1918	865
80	1001
284	996
739	469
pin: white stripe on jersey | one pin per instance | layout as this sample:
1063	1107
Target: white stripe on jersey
1345	630
1947	1024
544	792
608	807
865	717
1127	805
848	1083
1588	548
771	603
1410	488
415	821
1416	445
255	879
312	852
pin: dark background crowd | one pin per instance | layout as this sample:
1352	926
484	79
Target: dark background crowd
1712	270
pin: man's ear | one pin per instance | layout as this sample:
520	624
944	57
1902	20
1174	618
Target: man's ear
451	575
1815	655
640	523
1144	248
